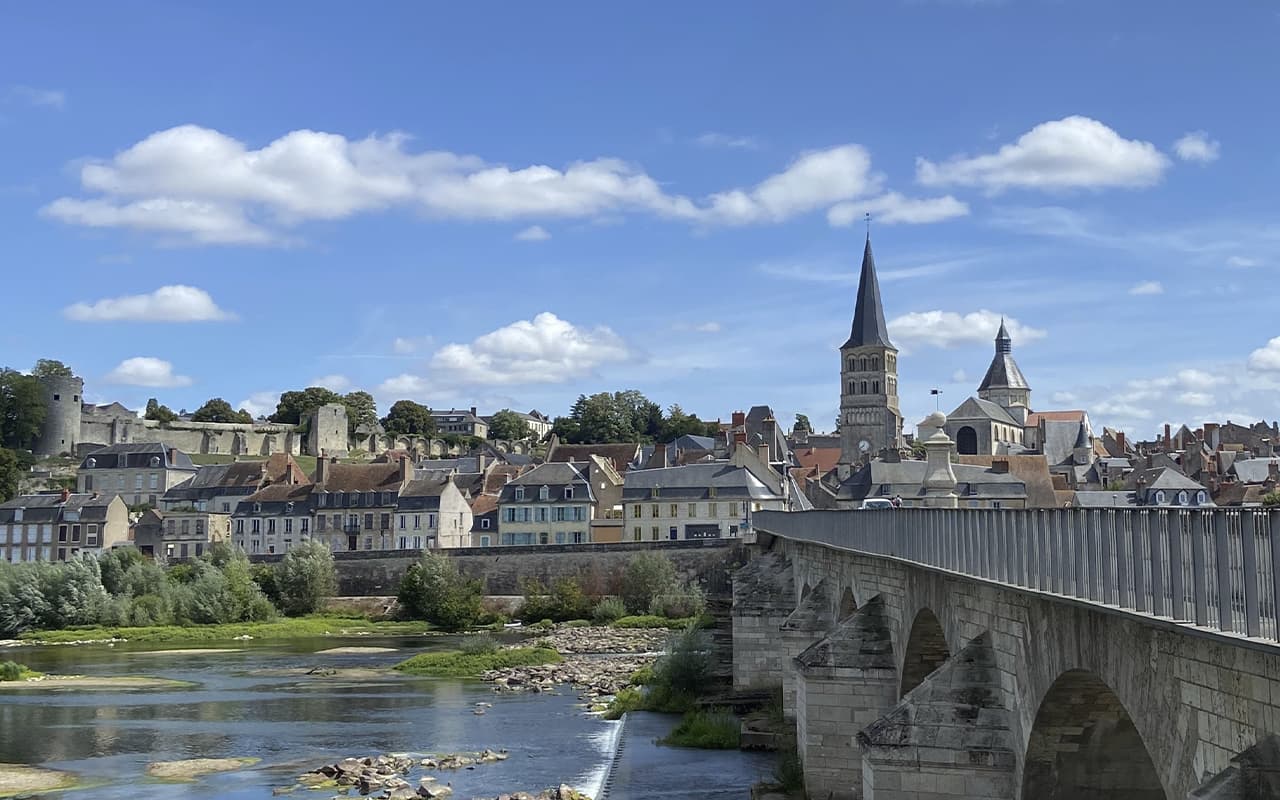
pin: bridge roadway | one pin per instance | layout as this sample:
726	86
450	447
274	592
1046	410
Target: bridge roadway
1057	654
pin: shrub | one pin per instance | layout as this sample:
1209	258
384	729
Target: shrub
788	773
608	610
455	664
650	621
306	578
11	671
711	730
628	699
1271	499
473	645
686	666
564	601
687	601
433	590
647	575
642	676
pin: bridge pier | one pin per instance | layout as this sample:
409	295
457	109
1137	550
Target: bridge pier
763	597
1253	773
843	683
948	739
812	620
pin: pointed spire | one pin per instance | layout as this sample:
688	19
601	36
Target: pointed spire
868	313
1004	343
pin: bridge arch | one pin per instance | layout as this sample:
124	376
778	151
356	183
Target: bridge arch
925	650
1084	746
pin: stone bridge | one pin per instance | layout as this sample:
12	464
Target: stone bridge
1060	654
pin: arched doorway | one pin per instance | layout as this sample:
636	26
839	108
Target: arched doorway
848	605
926	650
1084	746
967	441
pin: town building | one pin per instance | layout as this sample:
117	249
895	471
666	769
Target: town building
432	513
870	419
354	504
552	503
621	456
165	535
58	526
140	473
461	423
276	517
219	488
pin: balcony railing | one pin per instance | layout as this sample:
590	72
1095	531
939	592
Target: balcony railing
1216	568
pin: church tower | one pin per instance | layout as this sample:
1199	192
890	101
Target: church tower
1004	384
869	417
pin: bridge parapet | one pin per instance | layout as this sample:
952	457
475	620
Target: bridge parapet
1218	569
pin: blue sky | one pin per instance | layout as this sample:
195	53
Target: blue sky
512	204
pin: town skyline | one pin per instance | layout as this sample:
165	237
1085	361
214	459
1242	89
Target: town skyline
239	238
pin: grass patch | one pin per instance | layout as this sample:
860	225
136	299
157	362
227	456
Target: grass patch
457	664
708	730
289	628
642	676
653	621
629	699
13	671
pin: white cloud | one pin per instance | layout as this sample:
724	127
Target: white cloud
1267	357
1243	261
146	371
260	404
166	304
408	345
545	349
1071	153
533	233
892	208
336	383
1197	379
47	98
959	376
1197	146
214	189
1147	287
698	327
949	329
712	139
1197	399
1064	397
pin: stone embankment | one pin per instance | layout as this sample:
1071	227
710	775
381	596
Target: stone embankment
387	777
599	661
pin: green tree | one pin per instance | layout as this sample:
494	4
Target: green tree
434	590
160	413
677	424
407	418
1271	499
114	566
361	409
509	426
10	475
219	410
626	416
22	410
51	368
295	406
648	575
803	424
306	578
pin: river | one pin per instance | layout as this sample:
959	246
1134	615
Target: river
296	723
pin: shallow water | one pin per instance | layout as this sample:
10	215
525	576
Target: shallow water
294	724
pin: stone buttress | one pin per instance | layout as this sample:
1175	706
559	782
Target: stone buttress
763	597
812	620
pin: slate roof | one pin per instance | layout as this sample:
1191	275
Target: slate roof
1105	499
272	499
422	495
906	478
1059	440
1254	470
977	408
1032	470
868	312
1161	478
694	481
556	477
1034	418
622	455
49	507
137	455
1003	372
361	478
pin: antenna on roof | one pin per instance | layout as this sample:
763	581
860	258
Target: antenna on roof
868	217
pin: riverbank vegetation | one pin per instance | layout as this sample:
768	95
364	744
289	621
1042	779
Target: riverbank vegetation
13	671
709	730
674	682
459	664
289	628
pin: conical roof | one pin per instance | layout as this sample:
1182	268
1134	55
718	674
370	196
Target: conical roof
1003	372
868	313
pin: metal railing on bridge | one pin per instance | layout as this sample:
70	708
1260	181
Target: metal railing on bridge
1217	569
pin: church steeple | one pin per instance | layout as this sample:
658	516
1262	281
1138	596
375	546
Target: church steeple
868	314
1004	343
1004	383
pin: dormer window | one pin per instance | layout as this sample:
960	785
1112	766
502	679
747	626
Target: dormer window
288	508
355	498
257	508
155	461
568	493
519	492
91	463
544	493
1201	498
711	491
1182	498
1160	498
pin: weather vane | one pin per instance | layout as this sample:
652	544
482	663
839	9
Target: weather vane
868	216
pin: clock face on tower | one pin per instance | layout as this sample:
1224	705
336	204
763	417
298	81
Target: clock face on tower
864	445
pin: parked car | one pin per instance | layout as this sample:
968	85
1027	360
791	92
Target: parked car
876	504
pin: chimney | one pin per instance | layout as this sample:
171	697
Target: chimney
771	433
659	455
1000	466
1120	441
173	456
322	470
1168	438
66	494
1273	472
762	450
473	411
739	419
481	462
406	468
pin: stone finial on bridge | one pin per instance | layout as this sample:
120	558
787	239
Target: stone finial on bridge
764	596
948	739
939	479
843	683
813	619
1254	773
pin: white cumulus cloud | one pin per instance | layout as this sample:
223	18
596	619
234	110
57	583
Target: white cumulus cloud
167	304
146	371
892	208
714	139
1071	153
205	187
545	349
1197	146
949	329
260	404
335	383
1147	287
1267	357
1197	399
533	233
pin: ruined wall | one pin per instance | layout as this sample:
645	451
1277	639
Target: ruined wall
251	439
